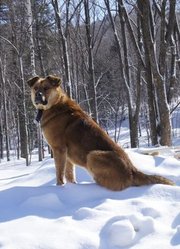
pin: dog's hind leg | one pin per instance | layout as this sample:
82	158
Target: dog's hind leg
109	170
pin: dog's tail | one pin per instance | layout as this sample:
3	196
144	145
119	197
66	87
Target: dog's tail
139	178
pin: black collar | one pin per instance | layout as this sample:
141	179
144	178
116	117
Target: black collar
39	115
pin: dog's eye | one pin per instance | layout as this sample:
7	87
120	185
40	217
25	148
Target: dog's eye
35	88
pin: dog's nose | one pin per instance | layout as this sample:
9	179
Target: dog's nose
39	98
39	95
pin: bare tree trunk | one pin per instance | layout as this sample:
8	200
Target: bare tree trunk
32	69
22	116
21	104
37	38
91	81
151	95
1	139
18	135
81	68
170	40
63	40
124	69
39	51
159	80
6	124
151	99
40	147
1	123
133	114
29	20
173	78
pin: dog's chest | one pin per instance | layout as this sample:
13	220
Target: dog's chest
54	130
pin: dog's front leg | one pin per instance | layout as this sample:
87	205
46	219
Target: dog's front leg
60	156
70	172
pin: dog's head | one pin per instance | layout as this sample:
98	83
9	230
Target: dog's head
45	92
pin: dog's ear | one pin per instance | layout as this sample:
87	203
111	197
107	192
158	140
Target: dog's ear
33	80
54	81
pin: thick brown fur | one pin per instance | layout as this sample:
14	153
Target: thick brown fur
76	139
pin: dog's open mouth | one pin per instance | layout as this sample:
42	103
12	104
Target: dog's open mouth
40	99
42	102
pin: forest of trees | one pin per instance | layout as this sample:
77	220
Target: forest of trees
119	59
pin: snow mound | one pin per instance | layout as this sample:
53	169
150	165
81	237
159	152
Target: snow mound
121	233
150	212
125	231
142	225
84	213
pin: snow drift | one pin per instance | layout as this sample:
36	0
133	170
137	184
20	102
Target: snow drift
35	213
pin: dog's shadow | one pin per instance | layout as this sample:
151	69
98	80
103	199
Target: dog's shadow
51	201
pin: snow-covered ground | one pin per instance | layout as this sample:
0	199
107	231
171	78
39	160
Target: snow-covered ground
37	214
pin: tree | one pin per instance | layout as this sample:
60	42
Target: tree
91	79
21	104
63	39
29	23
32	69
125	74
158	69
4	98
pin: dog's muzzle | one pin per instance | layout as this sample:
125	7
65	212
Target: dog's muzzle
40	98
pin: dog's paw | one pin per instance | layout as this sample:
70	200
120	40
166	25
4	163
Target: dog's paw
60	182
70	180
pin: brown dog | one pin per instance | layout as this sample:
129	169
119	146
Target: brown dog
76	139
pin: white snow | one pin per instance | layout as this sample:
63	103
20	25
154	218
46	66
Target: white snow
37	214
